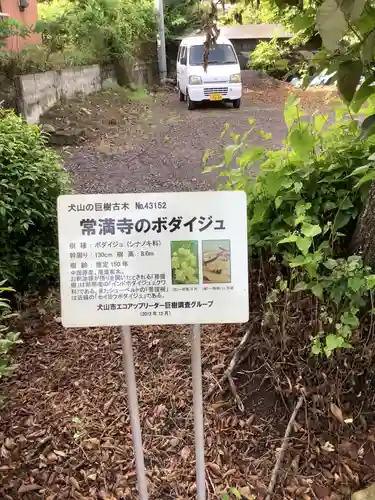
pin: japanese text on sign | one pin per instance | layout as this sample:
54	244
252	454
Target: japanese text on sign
160	259
90	227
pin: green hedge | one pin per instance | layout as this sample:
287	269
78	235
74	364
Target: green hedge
31	179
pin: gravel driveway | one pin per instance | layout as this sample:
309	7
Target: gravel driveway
169	155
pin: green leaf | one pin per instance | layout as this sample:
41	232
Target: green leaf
366	178
316	347
368	126
352	9
319	122
333	342
302	207
370	281
355	283
229	152
235	138
363	93
341	220
278	201
310	230
300	287
303	244
260	210
331	24
291	111
330	264
298	261
368	47
282	63
350	319
336	294
273	183
250	156
317	290
302	142
40	26
329	205
236	493
211	168
359	170
206	156
302	21
225	129
346	204
348	77
288	239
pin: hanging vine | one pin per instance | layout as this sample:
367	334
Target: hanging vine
211	31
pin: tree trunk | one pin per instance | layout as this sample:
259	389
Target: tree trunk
363	242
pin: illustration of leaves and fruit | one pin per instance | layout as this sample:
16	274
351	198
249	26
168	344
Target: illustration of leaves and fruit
185	263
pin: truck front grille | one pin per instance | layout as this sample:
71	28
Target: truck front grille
219	90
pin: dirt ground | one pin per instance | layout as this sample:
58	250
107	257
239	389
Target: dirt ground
142	142
64	422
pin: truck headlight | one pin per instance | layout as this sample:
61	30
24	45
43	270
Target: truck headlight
235	78
195	80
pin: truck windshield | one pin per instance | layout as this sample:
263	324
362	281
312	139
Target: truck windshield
218	54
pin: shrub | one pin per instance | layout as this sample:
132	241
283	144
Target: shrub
7	339
38	59
107	30
281	59
31	179
12	27
269	57
302	210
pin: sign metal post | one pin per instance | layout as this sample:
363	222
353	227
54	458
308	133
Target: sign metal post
196	364
127	351
155	259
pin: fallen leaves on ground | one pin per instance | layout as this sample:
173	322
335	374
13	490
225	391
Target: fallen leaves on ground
262	89
65	428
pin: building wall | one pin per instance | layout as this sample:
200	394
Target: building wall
243	49
29	17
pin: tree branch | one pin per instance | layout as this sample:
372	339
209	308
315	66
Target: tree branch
228	372
281	454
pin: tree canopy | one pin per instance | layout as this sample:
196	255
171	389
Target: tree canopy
180	16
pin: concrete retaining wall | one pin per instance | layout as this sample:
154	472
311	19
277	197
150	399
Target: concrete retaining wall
39	92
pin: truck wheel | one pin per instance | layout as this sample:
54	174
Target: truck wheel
190	104
237	104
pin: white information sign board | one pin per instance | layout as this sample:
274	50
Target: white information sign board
158	258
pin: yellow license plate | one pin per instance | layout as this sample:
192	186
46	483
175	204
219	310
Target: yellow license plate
216	97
